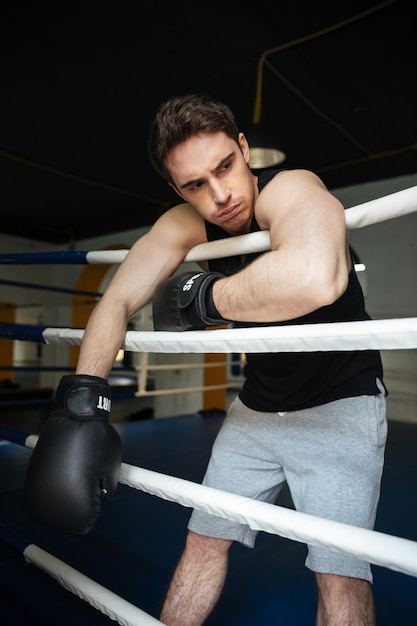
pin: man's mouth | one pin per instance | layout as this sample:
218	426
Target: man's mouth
230	212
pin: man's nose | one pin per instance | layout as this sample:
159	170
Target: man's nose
220	192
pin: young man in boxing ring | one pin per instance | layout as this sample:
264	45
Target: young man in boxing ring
313	420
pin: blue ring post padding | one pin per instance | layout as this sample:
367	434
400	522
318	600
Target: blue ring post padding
14	540
68	257
24	332
13	435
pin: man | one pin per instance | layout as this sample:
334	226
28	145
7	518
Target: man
315	420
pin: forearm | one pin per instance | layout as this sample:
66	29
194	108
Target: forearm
103	337
278	286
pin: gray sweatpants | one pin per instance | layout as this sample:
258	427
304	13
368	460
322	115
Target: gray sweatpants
331	457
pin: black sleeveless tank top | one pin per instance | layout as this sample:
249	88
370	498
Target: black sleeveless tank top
290	381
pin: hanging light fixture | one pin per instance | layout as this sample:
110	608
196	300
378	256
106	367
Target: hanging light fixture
262	151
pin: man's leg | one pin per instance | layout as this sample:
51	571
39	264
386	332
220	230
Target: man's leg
197	582
344	601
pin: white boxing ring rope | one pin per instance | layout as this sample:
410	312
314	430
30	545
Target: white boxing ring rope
101	598
388	207
378	548
345	336
390	334
372	212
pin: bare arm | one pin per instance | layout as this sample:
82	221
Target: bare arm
308	264
152	258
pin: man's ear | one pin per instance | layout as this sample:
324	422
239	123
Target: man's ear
244	146
177	191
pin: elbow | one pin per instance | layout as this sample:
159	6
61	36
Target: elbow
329	287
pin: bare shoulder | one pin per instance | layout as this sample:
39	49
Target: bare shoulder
181	214
293	182
175	232
291	193
183	222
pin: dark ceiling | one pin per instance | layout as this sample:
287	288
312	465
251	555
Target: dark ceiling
81	82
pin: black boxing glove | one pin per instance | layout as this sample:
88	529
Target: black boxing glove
76	463
185	302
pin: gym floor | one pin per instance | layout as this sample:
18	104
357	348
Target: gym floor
138	540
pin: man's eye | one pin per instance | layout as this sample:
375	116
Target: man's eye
196	186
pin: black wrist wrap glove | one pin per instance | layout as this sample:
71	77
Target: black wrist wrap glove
76	463
185	302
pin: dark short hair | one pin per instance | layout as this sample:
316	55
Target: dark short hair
180	117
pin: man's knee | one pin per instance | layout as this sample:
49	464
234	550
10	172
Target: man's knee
344	600
336	592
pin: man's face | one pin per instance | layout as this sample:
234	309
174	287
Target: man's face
210	171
